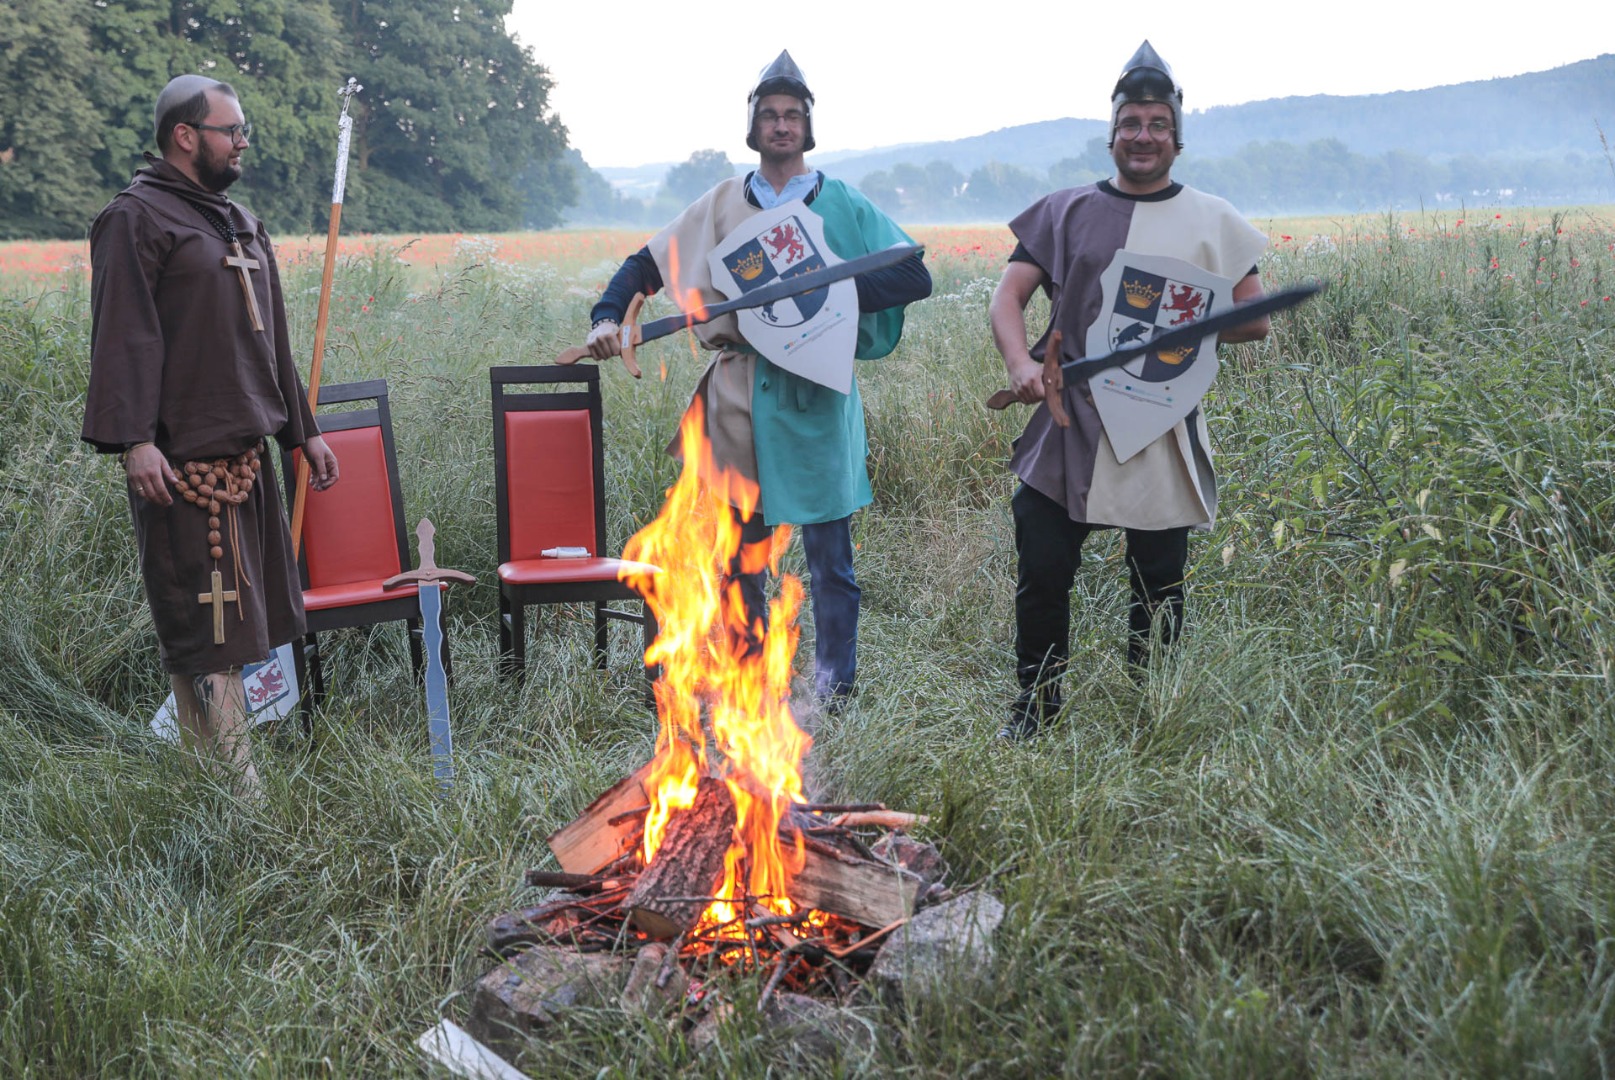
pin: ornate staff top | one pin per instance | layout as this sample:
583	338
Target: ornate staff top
344	126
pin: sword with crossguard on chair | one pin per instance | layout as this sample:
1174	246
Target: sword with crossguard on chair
428	579
633	335
1055	373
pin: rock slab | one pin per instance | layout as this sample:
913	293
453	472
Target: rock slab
532	989
942	942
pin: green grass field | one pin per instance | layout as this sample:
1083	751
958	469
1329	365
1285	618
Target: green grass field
1360	822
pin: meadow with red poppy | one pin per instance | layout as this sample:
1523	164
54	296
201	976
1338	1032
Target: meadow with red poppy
1358	822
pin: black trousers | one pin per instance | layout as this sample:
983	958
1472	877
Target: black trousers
1048	546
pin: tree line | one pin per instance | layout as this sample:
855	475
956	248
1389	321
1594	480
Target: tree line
453	130
1264	178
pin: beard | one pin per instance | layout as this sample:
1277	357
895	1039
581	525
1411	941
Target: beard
772	155
214	172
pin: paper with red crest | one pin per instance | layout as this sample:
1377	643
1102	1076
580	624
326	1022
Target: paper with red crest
1144	296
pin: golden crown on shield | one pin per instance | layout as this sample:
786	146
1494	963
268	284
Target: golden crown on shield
1140	294
749	265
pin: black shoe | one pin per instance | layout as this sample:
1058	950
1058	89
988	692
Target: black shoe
1022	727
835	700
1028	714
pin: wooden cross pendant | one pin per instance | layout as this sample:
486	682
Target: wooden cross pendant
242	266
218	596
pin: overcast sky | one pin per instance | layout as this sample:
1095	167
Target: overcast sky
637	82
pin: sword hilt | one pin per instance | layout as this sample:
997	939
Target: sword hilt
1053	385
428	571
1054	381
628	338
630	334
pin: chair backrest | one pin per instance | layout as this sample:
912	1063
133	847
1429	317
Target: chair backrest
354	531
549	459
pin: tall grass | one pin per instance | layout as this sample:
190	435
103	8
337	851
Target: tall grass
1360	822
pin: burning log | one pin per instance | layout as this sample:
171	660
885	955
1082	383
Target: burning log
606	830
867	892
686	873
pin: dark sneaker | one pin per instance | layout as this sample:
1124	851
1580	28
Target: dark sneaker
1021	727
1027	716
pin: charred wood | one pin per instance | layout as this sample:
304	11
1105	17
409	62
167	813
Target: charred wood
687	869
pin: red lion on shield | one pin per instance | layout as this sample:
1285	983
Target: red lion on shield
785	240
1185	299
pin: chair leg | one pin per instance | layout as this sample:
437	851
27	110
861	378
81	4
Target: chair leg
602	643
305	694
652	671
417	657
518	638
316	669
512	638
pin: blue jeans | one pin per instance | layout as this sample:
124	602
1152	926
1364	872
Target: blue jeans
834	593
834	589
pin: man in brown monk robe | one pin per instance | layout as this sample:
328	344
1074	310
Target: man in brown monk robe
190	371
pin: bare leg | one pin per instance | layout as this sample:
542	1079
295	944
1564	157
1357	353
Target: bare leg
213	716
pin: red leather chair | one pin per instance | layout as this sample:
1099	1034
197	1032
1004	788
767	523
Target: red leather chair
549	480
353	533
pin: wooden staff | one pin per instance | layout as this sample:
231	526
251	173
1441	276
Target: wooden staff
344	135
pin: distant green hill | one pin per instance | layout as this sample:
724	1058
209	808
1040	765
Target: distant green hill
1523	140
1545	112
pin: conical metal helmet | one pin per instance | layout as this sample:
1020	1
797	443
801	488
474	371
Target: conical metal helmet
1146	78
780	77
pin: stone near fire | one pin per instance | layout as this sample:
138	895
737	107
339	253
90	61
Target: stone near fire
815	1029
811	1029
532	989
950	940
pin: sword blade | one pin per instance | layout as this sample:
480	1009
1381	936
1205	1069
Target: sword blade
779	290
1189	333
437	685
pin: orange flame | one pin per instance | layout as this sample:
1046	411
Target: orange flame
709	658
689	300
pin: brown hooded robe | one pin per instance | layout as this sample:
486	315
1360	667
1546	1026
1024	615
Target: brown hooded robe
174	360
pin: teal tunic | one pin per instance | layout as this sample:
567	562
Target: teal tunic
810	439
806	442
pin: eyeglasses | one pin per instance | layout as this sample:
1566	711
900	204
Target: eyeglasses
790	116
239	133
1132	129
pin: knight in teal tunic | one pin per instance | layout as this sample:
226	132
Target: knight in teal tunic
803	444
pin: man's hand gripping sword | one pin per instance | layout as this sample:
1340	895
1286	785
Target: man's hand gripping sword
630	335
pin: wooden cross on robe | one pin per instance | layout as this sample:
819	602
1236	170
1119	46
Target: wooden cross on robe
243	265
218	596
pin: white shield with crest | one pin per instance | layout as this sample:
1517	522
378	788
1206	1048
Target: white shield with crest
812	334
1145	296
